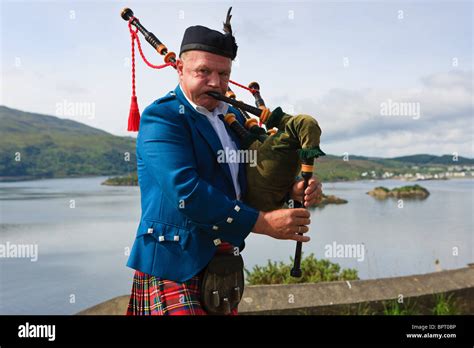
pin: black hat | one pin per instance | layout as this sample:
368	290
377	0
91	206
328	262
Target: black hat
204	39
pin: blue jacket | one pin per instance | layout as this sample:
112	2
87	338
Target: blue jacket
187	197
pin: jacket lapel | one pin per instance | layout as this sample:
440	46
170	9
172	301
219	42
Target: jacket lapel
205	128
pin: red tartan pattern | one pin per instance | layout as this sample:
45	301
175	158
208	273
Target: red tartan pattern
156	296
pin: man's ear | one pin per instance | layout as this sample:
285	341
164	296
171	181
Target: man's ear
179	67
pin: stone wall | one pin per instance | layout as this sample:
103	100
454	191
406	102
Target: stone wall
344	297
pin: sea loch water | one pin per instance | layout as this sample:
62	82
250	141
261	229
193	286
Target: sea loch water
83	232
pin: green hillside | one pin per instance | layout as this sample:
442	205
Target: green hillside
431	159
50	147
332	168
40	146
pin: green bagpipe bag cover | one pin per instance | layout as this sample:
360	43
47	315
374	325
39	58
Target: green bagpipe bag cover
279	158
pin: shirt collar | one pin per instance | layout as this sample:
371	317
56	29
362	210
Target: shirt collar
221	107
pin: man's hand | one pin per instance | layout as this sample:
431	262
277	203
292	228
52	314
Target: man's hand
313	194
284	224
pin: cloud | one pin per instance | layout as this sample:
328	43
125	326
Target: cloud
70	87
434	117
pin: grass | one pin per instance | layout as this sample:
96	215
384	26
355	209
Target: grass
129	180
409	188
446	305
313	271
395	308
443	305
382	188
360	309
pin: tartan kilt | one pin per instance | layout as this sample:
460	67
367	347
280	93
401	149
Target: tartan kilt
156	296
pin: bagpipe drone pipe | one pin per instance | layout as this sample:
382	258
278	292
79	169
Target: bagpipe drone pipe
288	148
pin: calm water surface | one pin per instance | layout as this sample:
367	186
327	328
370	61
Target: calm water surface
83	231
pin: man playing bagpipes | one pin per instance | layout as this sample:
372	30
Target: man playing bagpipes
194	220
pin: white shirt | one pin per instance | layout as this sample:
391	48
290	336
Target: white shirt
224	137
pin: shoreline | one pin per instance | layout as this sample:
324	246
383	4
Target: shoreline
25	179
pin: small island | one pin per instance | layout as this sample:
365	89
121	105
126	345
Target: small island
330	199
415	191
129	180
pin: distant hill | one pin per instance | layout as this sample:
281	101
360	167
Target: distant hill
421	159
335	168
40	146
431	159
51	147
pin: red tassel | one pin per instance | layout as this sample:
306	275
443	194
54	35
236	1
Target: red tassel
134	116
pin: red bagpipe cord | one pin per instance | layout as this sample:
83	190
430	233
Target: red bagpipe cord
134	115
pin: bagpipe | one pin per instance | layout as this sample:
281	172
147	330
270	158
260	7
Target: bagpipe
287	147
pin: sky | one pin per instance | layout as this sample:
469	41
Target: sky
383	78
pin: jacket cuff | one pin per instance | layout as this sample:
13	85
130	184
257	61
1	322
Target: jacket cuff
235	227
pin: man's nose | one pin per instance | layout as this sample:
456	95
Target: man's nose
214	80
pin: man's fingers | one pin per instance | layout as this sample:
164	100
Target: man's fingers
300	212
314	196
302	221
299	238
302	229
312	199
311	196
313	186
299	229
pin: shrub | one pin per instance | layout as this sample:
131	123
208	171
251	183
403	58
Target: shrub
313	271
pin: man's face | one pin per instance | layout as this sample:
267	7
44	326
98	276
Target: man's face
200	72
